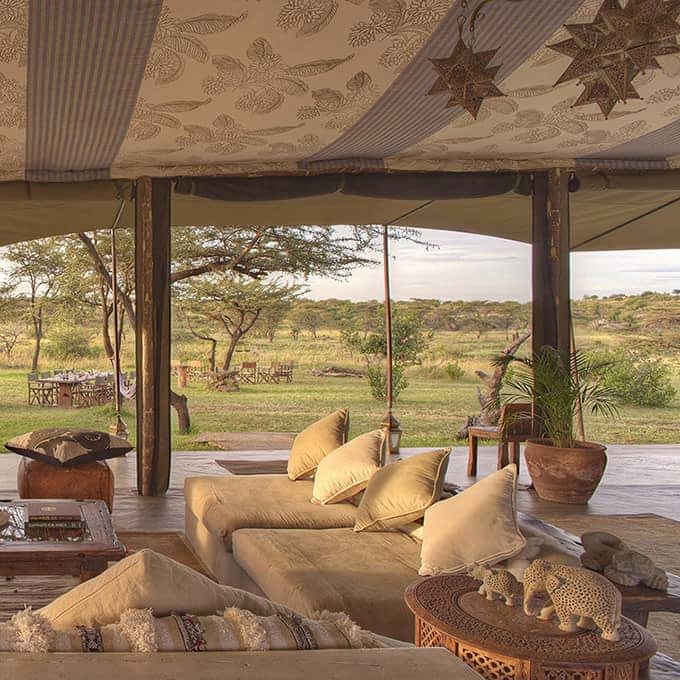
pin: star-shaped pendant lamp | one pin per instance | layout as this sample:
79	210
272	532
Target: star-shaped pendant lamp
467	77
618	45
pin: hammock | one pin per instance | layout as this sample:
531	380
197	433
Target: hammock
127	391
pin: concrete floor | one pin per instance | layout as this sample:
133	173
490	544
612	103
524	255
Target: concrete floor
639	479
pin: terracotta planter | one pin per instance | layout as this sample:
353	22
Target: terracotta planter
565	475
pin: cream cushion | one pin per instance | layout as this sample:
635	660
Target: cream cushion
225	503
346	471
362	574
477	526
315	442
148	580
401	492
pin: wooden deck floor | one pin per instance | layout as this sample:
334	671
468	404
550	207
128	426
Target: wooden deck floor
639	479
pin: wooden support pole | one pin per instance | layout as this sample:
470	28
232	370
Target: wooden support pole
152	264
550	261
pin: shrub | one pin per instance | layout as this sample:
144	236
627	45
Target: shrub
409	342
635	378
454	371
70	343
377	381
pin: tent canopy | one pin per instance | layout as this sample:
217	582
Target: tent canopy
96	93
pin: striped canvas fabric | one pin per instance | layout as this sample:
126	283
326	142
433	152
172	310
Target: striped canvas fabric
94	89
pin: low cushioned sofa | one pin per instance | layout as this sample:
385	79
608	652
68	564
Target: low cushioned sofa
263	534
217	507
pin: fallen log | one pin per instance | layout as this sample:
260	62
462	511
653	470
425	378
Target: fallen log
335	372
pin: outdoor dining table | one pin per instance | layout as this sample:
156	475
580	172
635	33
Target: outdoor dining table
65	389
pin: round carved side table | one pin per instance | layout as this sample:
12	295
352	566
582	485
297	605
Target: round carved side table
502	643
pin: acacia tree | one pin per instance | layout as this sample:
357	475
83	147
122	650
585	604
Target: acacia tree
271	319
11	325
234	303
86	286
200	327
254	252
10	332
37	267
306	317
511	315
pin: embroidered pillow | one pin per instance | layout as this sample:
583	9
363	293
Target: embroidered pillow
235	629
68	446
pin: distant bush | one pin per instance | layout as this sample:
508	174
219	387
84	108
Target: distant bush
377	381
454	371
636	378
70	343
409	342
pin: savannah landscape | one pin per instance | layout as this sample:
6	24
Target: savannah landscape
638	336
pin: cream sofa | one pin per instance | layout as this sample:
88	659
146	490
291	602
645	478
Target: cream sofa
347	664
217	507
261	533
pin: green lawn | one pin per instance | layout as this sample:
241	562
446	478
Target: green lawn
431	410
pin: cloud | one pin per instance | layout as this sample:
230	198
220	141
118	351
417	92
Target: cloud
471	267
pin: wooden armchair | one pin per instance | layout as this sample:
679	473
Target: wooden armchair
515	425
283	371
40	393
248	372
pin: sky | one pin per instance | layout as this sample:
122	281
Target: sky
472	267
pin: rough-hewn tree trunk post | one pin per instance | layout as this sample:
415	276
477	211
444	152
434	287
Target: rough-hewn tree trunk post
550	261
152	263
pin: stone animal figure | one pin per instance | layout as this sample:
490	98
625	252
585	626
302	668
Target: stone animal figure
497	584
609	555
580	598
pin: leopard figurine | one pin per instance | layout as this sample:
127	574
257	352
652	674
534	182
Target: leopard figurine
579	597
497	584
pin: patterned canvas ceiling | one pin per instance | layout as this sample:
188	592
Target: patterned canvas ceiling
91	89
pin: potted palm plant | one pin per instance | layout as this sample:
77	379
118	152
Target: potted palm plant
562	468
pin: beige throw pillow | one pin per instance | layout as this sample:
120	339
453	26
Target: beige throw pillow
346	471
315	442
478	526
148	580
400	492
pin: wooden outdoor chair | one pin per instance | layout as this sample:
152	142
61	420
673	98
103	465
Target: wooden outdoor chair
283	371
515	425
267	375
40	393
83	394
195	369
103	389
248	372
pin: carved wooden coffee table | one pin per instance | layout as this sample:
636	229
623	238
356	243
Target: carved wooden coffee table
501	643
84	558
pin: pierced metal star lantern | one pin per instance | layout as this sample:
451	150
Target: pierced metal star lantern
617	46
467	77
